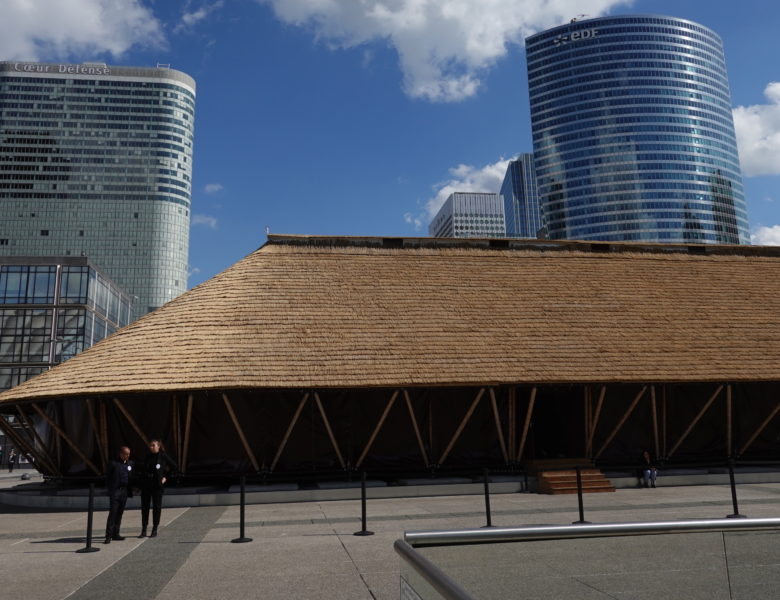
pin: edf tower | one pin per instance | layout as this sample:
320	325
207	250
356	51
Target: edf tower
633	132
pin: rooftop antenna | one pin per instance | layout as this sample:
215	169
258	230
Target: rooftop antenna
267	230
577	18
163	65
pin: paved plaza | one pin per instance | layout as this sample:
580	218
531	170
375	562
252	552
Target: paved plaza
302	549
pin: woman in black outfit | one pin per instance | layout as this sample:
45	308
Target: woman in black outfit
155	471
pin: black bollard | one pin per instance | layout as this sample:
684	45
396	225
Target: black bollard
735	514
90	510
242	538
582	520
363	531
488	518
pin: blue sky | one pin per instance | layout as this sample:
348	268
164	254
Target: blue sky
358	117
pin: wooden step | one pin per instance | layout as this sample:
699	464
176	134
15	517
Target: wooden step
565	482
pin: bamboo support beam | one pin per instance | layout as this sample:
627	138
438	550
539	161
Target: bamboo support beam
654	409
175	426
96	430
186	442
696	419
512	418
416	428
729	443
132	422
595	421
240	431
760	429
41	456
103	424
377	428
462	425
66	439
499	429
622	421
16	437
526	424
287	433
329	430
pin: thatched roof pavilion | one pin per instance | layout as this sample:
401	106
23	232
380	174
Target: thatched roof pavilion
336	353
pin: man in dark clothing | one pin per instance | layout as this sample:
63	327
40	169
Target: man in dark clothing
12	460
118	486
156	469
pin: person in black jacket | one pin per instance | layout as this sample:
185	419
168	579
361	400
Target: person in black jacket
119	488
157	468
648	469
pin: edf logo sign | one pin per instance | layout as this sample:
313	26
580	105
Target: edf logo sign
575	36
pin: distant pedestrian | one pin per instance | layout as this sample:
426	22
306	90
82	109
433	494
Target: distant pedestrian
155	471
119	481
12	457
648	469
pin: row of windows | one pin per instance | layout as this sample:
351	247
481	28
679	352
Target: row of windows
640	114
81	196
112	125
612	214
704	231
104	85
645	104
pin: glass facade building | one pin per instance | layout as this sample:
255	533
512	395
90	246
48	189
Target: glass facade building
633	132
521	198
96	161
470	215
50	310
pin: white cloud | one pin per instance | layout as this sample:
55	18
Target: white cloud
191	18
766	236
62	29
207	220
443	46
213	188
758	134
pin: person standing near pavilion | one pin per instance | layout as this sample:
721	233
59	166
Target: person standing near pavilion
119	476
12	460
156	469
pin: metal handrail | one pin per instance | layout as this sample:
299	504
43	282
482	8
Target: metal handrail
438	579
554	532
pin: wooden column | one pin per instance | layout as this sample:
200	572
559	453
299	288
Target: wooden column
287	433
176	426
186	442
729	443
499	429
377	428
528	413
67	440
329	430
696	419
462	425
664	419
240	432
595	420
654	409
416	427
512	418
622	421
103	425
41	455
96	430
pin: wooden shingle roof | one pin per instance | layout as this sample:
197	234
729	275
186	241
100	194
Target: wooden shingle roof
306	312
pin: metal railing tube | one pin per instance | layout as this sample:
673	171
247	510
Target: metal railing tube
553	532
439	580
90	511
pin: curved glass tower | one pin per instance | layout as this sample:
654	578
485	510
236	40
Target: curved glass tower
96	161
633	132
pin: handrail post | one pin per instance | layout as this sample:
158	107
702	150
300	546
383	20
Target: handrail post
363	531
735	514
241	539
582	520
90	510
488	517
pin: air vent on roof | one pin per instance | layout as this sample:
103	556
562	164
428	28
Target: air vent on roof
499	243
392	242
697	249
600	248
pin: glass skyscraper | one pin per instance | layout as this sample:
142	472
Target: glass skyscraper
633	132
96	161
521	198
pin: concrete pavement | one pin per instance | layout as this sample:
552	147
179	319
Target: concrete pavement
306	549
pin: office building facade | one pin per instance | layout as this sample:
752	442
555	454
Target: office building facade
521	198
96	161
633	132
470	215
